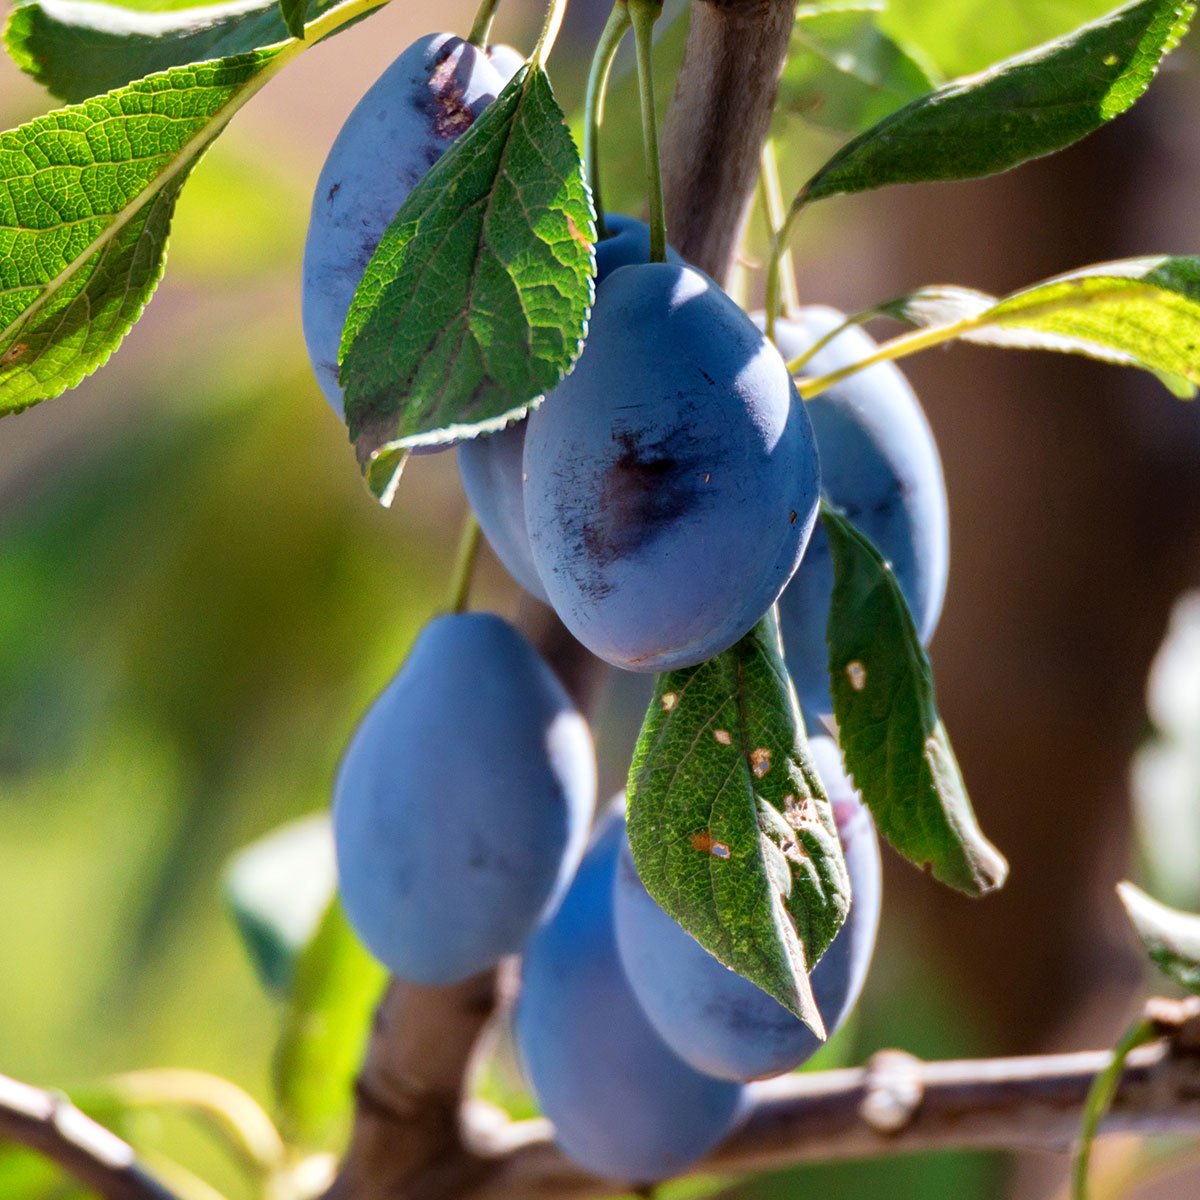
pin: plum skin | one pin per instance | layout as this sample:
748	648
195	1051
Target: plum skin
879	465
491	465
410	116
671	478
719	1022
624	1106
462	803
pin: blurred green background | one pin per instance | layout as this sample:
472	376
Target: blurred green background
198	597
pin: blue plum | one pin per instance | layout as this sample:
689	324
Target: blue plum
671	478
491	466
880	464
407	120
624	1106
714	1019
462	804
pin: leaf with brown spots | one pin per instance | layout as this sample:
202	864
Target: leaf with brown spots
893	740
730	828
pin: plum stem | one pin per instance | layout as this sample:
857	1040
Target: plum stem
1100	1097
464	564
898	347
545	42
481	30
770	193
611	37
644	13
779	251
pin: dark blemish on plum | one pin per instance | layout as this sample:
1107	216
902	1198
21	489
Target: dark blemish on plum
652	483
708	378
792	517
333	191
450	114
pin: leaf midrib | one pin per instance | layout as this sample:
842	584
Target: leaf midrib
182	159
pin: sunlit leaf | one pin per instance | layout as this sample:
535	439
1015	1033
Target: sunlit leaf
81	48
1025	107
86	198
1171	937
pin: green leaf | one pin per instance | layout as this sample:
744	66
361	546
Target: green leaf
294	13
895	746
844	73
278	889
1140	312
86	198
1025	107
81	48
337	985
1171	937
960	36
729	825
476	301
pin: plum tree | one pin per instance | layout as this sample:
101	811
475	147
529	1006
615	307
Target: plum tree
408	118
462	803
671	478
624	1105
880	465
491	466
710	1016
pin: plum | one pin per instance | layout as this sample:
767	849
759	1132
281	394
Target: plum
408	119
491	466
623	1104
462	804
710	1016
671	479
880	465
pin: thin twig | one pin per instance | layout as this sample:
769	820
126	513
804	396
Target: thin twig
55	1128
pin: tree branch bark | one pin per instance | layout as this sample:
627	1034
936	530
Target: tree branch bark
898	1105
55	1128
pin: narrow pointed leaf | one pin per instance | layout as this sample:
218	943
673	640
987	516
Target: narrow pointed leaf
82	48
730	827
336	987
1142	312
844	73
1171	937
476	301
86	198
1022	108
895	745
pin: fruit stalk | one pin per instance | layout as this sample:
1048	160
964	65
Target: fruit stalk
481	29
593	110
644	13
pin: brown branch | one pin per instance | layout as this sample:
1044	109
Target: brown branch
719	119
899	1105
56	1129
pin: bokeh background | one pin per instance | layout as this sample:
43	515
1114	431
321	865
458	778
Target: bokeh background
198	597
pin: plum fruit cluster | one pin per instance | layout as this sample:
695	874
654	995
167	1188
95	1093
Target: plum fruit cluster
662	498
